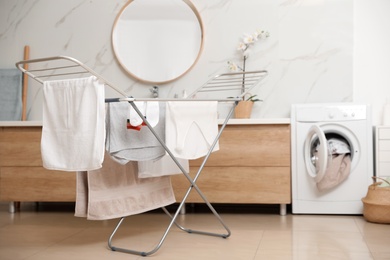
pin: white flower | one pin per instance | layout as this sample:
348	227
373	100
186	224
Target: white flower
232	66
261	34
243	47
248	39
251	39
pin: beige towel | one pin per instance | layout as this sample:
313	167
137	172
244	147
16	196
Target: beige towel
338	170
115	191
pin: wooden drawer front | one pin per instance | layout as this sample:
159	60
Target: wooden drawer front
260	185
252	145
20	147
384	133
36	184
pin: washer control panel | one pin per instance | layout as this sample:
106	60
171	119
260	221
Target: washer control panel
346	113
328	112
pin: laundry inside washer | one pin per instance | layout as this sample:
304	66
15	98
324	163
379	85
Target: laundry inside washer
339	166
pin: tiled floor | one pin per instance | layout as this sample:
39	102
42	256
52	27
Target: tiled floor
50	231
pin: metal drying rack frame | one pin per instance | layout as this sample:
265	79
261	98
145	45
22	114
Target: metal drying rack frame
64	67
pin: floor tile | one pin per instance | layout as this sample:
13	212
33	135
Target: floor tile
41	232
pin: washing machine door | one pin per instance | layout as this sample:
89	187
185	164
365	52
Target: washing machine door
316	153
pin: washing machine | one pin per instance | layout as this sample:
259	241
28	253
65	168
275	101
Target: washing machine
312	125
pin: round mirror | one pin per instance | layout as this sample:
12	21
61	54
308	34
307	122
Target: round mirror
157	41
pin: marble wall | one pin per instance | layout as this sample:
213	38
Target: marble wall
372	56
309	55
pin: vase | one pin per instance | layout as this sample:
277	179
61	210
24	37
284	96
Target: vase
243	109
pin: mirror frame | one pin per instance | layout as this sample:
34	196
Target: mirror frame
144	80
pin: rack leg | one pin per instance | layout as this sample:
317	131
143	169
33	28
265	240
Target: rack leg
173	221
182	204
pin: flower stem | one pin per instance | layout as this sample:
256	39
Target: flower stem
243	77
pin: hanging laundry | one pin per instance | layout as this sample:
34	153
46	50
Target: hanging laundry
10	95
161	167
150	110
115	191
125	145
73	130
191	128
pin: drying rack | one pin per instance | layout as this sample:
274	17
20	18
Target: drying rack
63	67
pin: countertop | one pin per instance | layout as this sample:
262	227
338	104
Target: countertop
256	121
20	123
233	121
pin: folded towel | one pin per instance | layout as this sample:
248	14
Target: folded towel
73	129
128	145
10	95
114	191
161	167
191	128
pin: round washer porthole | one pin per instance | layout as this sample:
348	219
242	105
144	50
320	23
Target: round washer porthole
329	130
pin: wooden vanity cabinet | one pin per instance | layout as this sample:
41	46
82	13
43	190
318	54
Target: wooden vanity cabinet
252	166
22	177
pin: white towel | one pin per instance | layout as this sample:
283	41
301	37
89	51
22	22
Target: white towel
161	167
114	191
73	123
191	128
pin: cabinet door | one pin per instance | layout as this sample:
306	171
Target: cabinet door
22	177
20	146
36	184
257	185
252	166
252	145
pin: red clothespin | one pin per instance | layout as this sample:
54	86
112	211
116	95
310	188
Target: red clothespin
138	127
